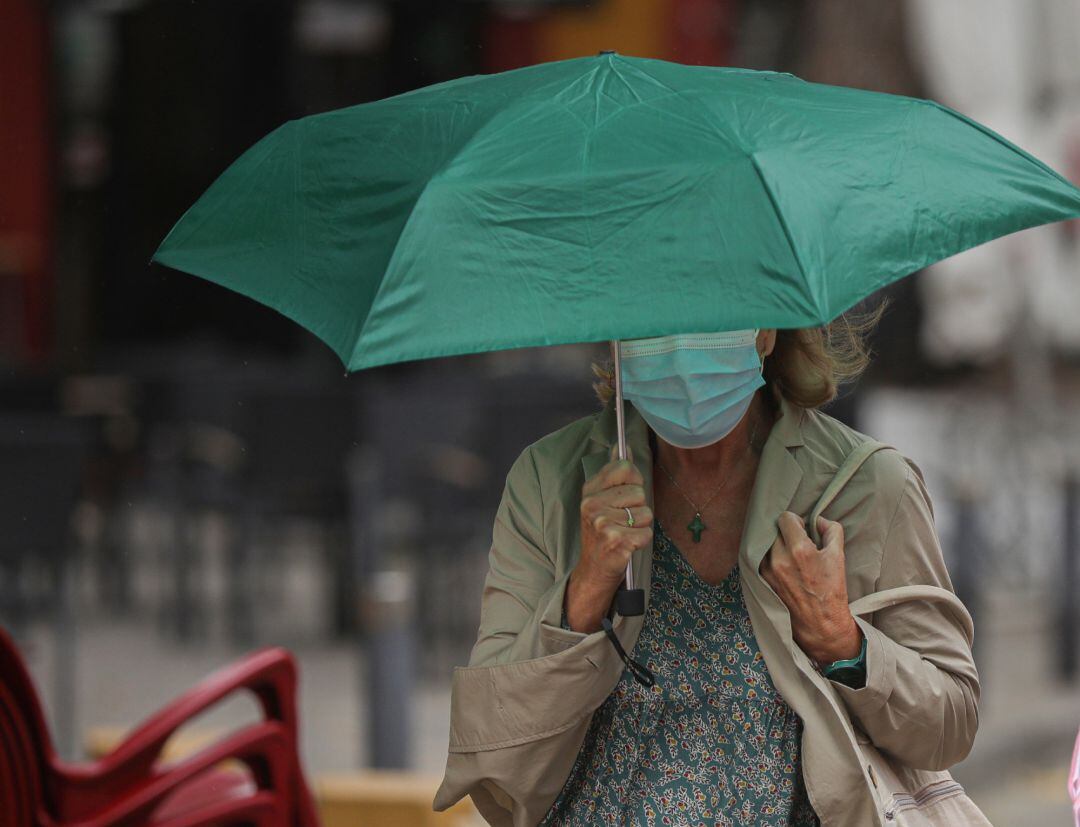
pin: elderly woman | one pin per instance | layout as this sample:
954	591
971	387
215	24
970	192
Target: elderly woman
751	691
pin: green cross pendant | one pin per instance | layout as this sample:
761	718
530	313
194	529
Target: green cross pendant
696	526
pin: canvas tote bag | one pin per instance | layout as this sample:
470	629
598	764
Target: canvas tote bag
908	797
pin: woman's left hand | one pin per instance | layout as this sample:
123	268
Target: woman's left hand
811	583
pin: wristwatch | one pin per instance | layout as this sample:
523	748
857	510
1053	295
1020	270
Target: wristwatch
850	672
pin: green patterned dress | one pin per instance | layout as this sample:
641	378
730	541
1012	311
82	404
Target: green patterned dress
712	743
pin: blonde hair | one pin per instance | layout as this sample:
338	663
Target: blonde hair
808	365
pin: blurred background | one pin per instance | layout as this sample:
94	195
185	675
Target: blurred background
186	475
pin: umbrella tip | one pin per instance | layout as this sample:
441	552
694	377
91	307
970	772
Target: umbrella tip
605	52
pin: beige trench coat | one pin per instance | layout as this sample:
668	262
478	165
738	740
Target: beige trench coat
521	708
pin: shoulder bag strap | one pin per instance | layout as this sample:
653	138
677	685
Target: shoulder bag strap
875	601
852	462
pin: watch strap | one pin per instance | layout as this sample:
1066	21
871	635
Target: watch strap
844	669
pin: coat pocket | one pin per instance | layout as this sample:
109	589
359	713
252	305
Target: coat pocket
917	798
558	639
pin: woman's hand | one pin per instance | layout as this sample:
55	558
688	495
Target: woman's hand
606	540
811	583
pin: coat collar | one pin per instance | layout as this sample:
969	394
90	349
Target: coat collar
777	480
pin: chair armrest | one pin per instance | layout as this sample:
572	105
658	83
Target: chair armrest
264	748
268	673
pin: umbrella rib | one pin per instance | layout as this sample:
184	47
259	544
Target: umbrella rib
381	289
823	313
1001	139
432	176
717	128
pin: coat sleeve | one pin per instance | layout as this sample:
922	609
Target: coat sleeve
520	709
521	607
920	700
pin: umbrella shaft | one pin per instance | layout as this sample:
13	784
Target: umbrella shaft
620	423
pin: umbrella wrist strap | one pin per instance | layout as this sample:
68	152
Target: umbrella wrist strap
640	672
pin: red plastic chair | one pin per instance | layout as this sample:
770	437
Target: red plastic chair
131	788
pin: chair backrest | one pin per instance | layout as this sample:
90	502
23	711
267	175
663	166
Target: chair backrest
25	746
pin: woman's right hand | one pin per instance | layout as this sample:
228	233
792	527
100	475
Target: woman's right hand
606	540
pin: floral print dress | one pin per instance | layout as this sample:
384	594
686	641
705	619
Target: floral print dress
712	743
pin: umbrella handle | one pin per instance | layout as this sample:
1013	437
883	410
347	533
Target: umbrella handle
629	602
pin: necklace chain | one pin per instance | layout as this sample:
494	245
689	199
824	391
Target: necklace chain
696	526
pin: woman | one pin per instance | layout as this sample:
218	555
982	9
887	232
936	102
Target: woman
768	688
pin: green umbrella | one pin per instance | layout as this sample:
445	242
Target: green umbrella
601	198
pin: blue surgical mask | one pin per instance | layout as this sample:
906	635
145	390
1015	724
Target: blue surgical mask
692	388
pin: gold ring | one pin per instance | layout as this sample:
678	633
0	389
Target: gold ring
629	517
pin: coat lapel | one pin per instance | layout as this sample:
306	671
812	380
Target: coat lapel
778	477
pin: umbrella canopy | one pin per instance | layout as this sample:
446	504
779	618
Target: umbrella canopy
599	198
